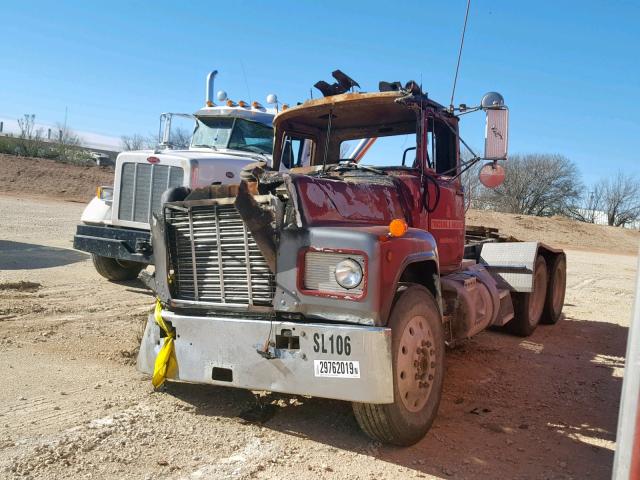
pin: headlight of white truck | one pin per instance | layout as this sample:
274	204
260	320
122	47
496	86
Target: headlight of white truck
334	272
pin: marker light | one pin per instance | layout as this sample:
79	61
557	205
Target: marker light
230	103
243	104
398	227
256	105
210	103
284	106
105	193
153	160
348	273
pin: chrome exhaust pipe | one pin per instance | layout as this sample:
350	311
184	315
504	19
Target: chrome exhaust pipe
208	101
361	149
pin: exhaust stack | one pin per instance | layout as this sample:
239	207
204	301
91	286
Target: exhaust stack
209	88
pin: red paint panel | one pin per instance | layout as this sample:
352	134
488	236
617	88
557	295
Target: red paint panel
327	201
446	224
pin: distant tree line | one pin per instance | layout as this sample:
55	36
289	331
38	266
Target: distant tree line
550	184
180	138
61	142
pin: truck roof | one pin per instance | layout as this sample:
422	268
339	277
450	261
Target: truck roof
348	107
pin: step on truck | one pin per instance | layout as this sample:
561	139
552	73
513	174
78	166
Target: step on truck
114	226
339	279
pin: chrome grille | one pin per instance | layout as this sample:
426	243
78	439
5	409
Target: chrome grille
215	258
142	185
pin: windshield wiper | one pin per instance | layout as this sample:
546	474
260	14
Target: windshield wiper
248	148
212	147
347	166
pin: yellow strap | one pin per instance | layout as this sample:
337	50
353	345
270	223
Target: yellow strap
166	364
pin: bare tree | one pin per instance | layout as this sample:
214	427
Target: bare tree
536	184
621	199
473	189
133	142
180	137
589	207
30	142
66	144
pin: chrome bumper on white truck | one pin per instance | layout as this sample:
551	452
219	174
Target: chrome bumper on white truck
337	361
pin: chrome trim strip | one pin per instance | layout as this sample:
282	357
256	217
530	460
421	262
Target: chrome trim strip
133	192
220	272
193	256
248	262
153	171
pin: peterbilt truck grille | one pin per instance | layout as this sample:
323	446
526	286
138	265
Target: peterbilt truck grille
215	258
142	185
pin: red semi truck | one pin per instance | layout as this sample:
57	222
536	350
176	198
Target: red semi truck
338	279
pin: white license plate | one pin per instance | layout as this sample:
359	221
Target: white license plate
336	368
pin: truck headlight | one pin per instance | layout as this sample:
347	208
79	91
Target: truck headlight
105	193
348	273
334	272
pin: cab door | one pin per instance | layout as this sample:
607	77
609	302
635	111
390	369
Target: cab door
444	201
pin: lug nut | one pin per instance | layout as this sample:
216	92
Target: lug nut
430	377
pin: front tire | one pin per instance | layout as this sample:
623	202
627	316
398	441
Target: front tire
417	349
116	270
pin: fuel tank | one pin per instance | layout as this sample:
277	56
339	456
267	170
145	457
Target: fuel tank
471	301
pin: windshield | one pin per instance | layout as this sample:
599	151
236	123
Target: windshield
233	133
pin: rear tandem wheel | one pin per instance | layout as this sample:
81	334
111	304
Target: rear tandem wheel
528	307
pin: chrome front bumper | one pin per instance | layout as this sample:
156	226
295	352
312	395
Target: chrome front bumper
224	351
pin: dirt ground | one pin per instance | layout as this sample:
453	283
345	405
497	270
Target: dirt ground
51	179
73	405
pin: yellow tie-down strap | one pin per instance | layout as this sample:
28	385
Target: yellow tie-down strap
166	364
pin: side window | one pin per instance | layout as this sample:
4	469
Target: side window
441	148
296	152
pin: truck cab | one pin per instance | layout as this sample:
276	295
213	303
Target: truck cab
341	279
114	226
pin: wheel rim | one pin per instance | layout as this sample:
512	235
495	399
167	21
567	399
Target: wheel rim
558	288
536	302
416	364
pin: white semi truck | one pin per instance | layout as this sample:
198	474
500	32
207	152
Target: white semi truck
114	226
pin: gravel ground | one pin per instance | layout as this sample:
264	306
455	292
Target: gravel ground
73	405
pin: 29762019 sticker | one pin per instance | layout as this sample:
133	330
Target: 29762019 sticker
336	368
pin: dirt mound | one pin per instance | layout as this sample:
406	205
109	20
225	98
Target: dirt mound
560	231
49	178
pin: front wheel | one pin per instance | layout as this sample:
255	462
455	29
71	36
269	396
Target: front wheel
418	372
116	270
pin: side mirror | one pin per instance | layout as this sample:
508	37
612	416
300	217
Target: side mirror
492	175
496	134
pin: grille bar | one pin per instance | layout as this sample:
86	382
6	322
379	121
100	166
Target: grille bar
215	259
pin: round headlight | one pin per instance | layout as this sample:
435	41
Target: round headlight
348	273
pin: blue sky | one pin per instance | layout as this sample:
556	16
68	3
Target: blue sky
568	70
